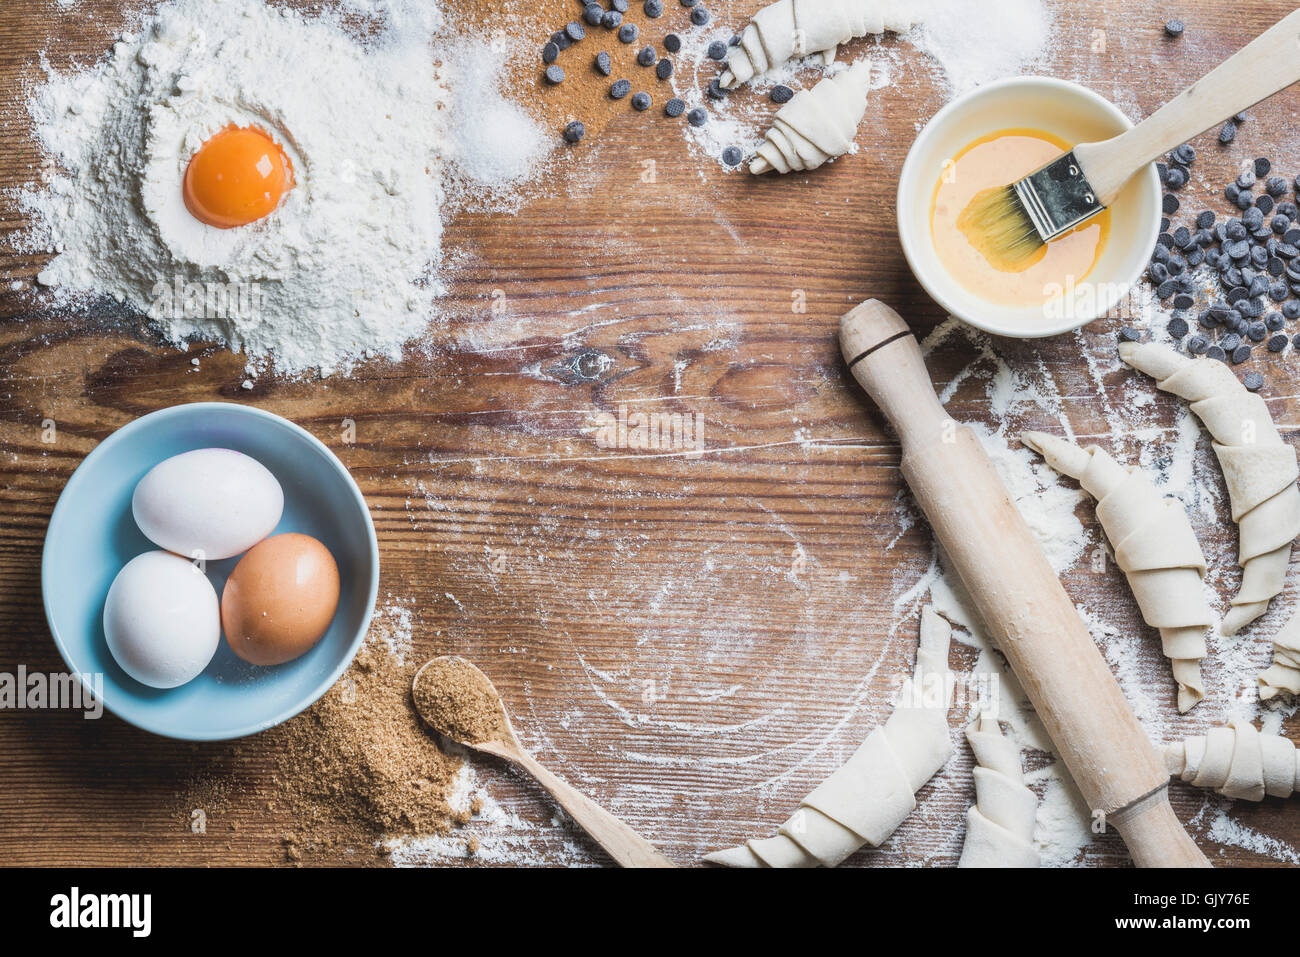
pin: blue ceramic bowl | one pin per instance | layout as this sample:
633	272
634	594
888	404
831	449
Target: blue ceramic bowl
92	535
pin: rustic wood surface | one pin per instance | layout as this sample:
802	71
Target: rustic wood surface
696	641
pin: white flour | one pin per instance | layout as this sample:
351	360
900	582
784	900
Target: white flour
340	269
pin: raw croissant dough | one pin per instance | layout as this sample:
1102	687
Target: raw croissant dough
798	28
1000	824
866	799
1259	468
1237	761
1284	674
817	125
1154	546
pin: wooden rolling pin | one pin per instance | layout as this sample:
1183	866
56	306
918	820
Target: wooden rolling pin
1018	596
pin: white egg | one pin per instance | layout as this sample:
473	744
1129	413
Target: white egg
162	620
209	504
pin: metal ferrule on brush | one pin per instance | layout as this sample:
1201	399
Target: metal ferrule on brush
1057	197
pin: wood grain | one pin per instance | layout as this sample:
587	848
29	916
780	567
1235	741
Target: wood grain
695	641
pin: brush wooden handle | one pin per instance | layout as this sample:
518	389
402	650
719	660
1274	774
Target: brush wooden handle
1268	64
1017	594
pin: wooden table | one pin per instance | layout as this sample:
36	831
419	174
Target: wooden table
696	640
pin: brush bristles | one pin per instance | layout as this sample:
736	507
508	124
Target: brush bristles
997	224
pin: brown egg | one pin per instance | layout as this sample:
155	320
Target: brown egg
280	599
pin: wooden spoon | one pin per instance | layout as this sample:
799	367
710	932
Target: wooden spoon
624	845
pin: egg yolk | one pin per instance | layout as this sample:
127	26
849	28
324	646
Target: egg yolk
237	177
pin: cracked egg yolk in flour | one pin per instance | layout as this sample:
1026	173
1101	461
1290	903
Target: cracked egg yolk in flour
236	177
991	162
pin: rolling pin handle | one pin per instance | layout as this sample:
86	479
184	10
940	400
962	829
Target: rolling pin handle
1154	835
886	359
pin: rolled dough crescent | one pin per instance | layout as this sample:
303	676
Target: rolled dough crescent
874	792
1259	468
1154	546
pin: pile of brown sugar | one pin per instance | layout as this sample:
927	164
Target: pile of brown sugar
457	700
360	764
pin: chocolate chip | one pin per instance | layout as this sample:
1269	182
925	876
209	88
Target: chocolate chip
646	56
550	53
604	64
1277	343
1174	29
576	31
675	107
717	50
1216	352
1170	203
611	19
664	68
1228	132
1205	220
628	32
732	156
654	9
1262	167
672	43
715	90
1129	334
574	132
641	102
554	74
620	89
698	116
1254	381
592	13
699	16
1177	327
782	93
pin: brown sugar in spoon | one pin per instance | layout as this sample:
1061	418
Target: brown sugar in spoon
461	703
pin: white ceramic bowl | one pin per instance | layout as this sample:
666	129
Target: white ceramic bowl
1077	115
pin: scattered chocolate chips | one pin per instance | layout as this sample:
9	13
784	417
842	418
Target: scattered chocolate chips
699	116
576	31
654	9
647	56
732	156
603	63
664	68
550	53
592	13
628	33
782	93
717	50
699	16
715	90
554	74
611	19
1174	29
620	88
641	102
672	43
675	107
574	132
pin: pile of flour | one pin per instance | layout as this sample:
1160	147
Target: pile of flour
342	269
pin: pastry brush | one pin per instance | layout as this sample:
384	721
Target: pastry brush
1010	223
